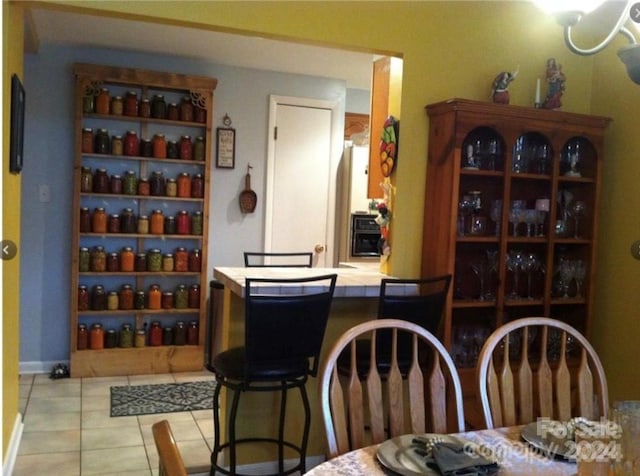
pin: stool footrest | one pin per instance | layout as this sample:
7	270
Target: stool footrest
298	467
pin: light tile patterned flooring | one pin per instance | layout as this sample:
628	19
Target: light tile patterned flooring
68	430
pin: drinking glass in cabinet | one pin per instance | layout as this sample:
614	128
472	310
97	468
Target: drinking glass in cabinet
496	214
580	274
492	269
465	207
571	159
567	270
542	208
531	265
515	260
577	210
479	268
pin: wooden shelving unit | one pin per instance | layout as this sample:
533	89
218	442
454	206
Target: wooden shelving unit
459	129
174	87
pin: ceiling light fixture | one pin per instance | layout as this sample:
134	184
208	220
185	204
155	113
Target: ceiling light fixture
569	13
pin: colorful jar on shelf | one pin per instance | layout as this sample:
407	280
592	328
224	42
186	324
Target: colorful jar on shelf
156	224
144	108
196	223
115	184
181	260
186	109
167	336
126	297
131	104
143	187
113	264
102	101
88	104
128	221
172	111
173	150
183	223
126	336
154	260
96	337
88	146
199	149
180	334
83	337
84	260
181	297
184	185
100	181
98	260
113	301
113	223
185	151
192	333
101	142
86	180
158	107
169	225
130	183
143	224
171	187
131	144
159	146
154	297
156	183
99	220
117	106
167	300
98	298
139	300
194	296
110	339
84	300
140	263
140	339
117	145
167	262
195	260
146	148
197	186
127	260
85	220
155	334
200	114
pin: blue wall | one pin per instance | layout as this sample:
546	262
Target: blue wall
49	134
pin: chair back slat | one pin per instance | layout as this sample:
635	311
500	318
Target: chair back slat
356	411
438	397
394	387
585	387
415	379
374	391
397	403
562	381
557	373
525	380
507	391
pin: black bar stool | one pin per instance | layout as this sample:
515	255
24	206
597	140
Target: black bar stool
285	322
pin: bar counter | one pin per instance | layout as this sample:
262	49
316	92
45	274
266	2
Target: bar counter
355	301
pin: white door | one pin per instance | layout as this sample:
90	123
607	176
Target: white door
299	187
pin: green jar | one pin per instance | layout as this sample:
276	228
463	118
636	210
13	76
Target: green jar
126	336
130	183
84	260
181	297
154	260
196	223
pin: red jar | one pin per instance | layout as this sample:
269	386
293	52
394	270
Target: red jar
85	220
125	297
194	296
96	337
143	187
102	101
155	334
172	111
181	262
113	223
192	333
184	185
186	148
115	184
167	300
113	263
100	181
156	225
183	223
87	141
197	186
131	144
159	146
83	299
144	108
83	337
195	260
186	109
154	297
200	114
99	220
127	259
131	104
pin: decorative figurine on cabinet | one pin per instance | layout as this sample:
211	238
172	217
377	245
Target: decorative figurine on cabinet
555	79
500	86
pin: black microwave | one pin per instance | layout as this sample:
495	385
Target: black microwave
365	235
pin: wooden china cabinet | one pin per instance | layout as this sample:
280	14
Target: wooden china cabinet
492	167
135	125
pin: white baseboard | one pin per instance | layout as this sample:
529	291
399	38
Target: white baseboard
39	367
12	449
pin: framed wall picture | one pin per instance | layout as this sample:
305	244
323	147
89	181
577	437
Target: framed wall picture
225	147
16	140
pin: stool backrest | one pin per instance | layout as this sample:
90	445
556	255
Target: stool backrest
278	260
285	321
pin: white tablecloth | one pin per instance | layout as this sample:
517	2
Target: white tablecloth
516	457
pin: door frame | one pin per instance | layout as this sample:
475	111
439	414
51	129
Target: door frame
337	138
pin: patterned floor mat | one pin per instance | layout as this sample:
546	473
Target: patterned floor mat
131	400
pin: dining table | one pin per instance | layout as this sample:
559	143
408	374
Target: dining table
515	457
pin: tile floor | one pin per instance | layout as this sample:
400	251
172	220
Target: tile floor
68	430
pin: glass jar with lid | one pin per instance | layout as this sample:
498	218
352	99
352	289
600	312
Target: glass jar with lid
199	149
181	297
128	221
98	259
171	187
131	144
183	223
180	333
113	223
154	297
117	105
127	259
195	260
113	263
184	185
167	300
115	184
83	337
143	224
144	108
85	220
98	298
140	263
146	148
96	337
99	220
169	225
102	101
197	186
181	260
196	223
167	336
154	260
157	222
101	142
186	109
159	146
100	181
194	296
126	336
155	334
131	104
117	145
156	183
112	301
110	339
130	183
88	146
126	297
185	151
158	107
172	111
84	298
84	260
192	333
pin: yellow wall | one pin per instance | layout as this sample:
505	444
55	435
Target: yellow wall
12	40
449	49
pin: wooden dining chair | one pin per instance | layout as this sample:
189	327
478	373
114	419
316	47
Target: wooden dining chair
539	367
359	411
278	260
169	460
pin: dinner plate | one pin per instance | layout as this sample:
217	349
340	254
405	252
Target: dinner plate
398	455
559	447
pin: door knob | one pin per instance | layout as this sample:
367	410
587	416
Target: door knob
319	249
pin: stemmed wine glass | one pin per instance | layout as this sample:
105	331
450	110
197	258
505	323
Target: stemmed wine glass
478	268
492	267
530	264
530	218
496	213
579	275
567	273
578	210
514	264
465	207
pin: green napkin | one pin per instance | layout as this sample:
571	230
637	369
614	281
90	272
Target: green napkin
453	459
